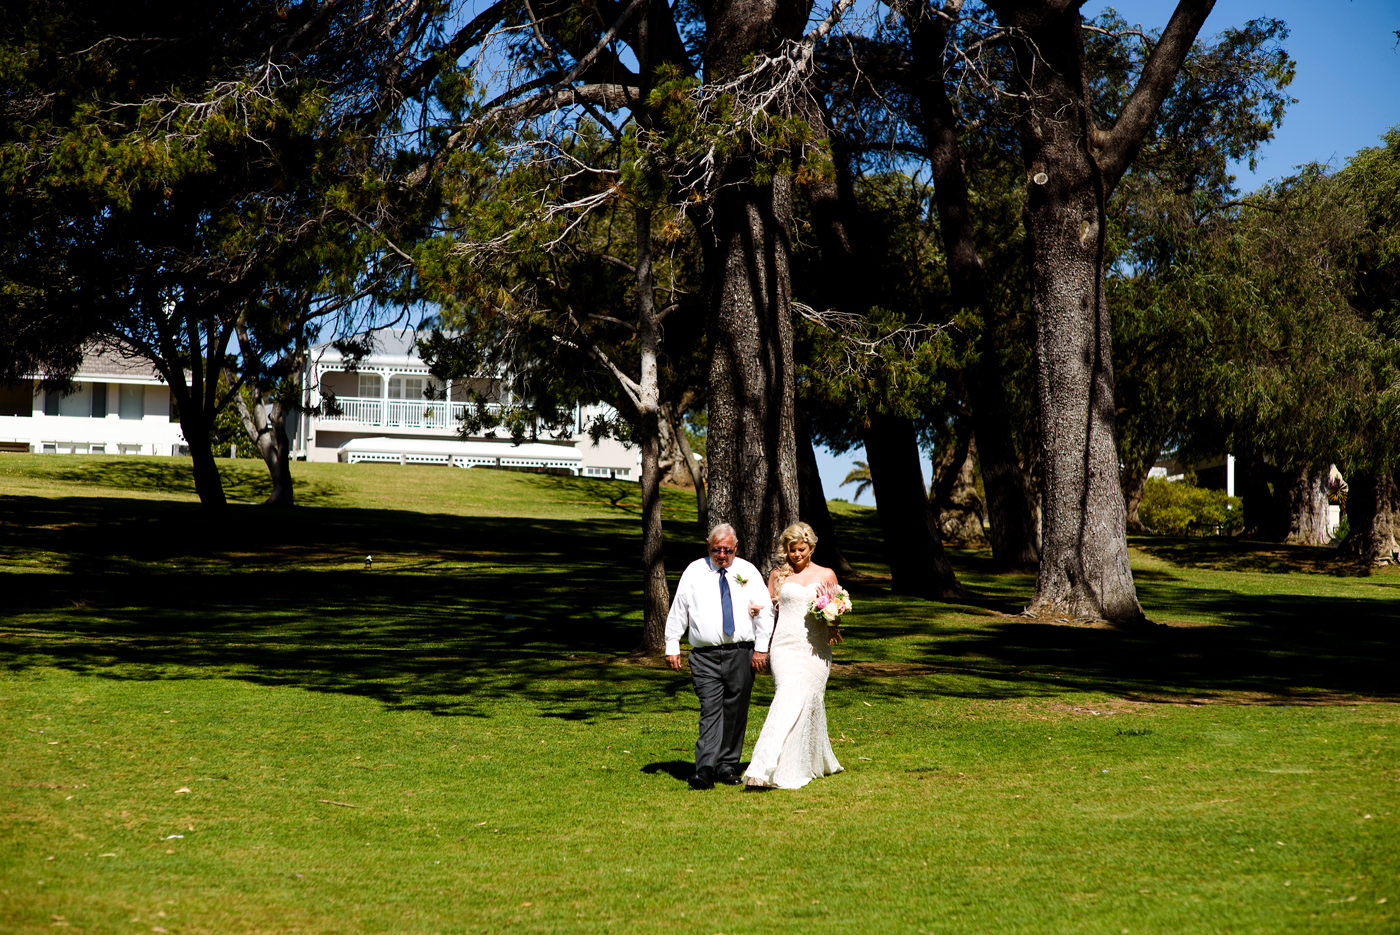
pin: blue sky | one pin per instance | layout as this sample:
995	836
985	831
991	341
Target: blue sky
1347	88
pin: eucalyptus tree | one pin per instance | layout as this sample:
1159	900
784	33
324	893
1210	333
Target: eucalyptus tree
1370	185
1285	362
1228	100
716	100
965	75
959	127
1073	161
180	158
873	366
569	308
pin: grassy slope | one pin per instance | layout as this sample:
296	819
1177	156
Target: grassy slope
239	728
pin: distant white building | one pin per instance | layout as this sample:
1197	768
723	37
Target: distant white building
384	414
121	406
117	406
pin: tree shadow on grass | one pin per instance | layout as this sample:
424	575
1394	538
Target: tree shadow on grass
458	615
454	615
1227	554
243	480
1273	649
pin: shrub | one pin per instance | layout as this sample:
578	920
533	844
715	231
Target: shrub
1172	508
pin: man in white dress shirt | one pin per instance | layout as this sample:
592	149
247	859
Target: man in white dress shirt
724	605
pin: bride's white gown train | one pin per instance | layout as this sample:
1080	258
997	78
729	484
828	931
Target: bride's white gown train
793	747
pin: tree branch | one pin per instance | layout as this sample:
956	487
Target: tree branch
1117	147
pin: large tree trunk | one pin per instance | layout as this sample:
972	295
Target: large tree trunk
1072	166
746	233
194	392
694	465
656	598
675	470
918	564
1084	571
752	443
267	425
1012	518
265	419
953	493
1373	515
197	427
1307	507
811	500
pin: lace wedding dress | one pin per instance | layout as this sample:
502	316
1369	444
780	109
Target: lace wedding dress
793	746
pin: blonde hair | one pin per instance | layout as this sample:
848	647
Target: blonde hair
797	532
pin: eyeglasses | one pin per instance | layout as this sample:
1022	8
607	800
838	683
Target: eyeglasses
721	550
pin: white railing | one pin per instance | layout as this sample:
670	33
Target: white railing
417	414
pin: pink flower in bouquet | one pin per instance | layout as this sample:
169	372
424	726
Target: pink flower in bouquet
830	607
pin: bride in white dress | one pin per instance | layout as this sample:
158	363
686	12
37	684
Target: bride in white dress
793	748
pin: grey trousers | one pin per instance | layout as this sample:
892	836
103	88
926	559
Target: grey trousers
723	679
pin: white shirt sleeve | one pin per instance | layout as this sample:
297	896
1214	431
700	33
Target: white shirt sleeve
678	620
757	592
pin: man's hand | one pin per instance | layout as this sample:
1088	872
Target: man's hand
755	609
759	662
674	661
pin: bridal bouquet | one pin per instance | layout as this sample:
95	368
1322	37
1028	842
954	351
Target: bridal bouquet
830	607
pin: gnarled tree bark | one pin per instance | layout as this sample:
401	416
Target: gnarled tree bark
1373	515
1072	166
746	238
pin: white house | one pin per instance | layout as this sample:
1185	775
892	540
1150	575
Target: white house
121	406
117	406
384	413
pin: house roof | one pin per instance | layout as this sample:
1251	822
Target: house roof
390	345
103	361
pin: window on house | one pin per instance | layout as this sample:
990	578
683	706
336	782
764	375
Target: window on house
99	400
131	402
17	398
371	386
77	404
401	387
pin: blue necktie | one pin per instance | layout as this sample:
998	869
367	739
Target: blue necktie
726	605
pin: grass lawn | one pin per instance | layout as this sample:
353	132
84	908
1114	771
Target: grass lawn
238	727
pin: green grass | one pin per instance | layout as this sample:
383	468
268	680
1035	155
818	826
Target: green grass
239	728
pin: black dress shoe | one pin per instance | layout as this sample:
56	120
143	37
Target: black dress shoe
729	777
704	778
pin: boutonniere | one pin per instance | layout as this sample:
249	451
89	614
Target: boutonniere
741	579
